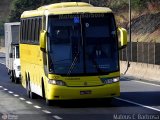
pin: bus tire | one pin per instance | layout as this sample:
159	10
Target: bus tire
32	95
48	102
109	100
43	90
28	88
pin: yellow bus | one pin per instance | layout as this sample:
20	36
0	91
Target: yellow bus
70	50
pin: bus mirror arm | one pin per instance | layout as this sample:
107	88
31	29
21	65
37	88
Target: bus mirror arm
123	38
43	40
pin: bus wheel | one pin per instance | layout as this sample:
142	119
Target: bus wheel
108	100
28	88
32	95
48	102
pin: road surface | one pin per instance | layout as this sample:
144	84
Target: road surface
138	100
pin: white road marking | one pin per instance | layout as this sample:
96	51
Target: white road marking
36	106
1	86
145	106
28	102
21	98
5	89
147	83
10	92
16	95
46	111
57	117
2	63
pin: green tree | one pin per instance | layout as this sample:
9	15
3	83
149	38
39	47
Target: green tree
139	4
1	29
19	6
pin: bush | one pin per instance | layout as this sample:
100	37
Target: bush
19	6
1	29
139	4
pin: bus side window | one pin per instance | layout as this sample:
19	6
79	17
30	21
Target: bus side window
24	27
33	31
39	28
36	31
21	29
27	30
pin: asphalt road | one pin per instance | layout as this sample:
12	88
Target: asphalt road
139	100
2	58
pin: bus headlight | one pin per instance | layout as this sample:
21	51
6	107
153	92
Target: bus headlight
116	79
109	80
57	82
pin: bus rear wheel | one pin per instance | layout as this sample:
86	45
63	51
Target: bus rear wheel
48	102
28	89
32	95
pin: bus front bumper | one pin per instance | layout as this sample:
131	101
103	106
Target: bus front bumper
55	92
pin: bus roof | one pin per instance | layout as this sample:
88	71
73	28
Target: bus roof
65	8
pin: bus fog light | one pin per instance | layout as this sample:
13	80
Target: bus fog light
116	79
107	81
52	82
57	82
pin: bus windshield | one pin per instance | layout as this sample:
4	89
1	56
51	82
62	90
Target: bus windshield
82	44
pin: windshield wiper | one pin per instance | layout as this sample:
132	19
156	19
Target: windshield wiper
73	64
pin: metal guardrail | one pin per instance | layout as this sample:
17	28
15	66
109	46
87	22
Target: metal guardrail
142	52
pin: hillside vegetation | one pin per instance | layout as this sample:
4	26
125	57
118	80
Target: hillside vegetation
4	11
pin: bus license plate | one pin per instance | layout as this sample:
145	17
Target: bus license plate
85	92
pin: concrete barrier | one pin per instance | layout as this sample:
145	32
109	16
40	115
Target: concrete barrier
141	71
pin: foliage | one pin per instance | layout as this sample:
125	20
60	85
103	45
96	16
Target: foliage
139	4
118	4
1	29
22	5
18	6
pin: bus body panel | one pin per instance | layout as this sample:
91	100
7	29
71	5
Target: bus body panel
66	93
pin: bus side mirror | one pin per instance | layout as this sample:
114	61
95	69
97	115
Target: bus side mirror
43	40
123	37
10	55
